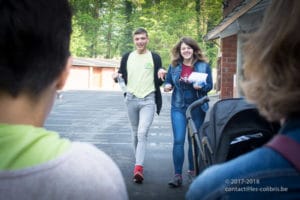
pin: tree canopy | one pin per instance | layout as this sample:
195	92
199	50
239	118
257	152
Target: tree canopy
103	28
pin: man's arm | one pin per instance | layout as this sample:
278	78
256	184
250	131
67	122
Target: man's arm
157	67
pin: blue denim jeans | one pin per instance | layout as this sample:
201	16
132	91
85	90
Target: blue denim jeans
179	125
140	113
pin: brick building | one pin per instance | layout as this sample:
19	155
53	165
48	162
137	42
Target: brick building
92	73
239	17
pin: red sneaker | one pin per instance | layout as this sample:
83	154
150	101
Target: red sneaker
138	174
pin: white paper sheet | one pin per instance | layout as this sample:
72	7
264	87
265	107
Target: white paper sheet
197	77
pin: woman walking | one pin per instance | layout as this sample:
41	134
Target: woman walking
187	58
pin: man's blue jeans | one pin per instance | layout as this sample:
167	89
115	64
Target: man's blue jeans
179	125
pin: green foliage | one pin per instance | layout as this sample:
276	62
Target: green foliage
103	28
78	41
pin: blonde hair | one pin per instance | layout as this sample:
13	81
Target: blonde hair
272	62
176	57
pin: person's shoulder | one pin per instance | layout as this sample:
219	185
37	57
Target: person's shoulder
244	167
202	62
175	67
87	165
155	54
220	174
126	54
90	153
82	172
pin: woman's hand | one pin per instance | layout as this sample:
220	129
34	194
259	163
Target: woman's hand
198	85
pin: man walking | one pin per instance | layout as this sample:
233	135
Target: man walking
139	70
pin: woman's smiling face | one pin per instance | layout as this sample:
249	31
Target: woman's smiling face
186	51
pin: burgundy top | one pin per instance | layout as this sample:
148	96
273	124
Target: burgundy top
186	72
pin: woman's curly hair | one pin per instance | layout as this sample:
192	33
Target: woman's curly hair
197	56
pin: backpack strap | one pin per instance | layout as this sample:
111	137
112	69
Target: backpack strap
288	148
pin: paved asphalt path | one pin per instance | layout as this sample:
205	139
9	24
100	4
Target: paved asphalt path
99	117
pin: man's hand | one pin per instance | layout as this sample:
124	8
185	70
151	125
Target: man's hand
161	74
115	76
168	88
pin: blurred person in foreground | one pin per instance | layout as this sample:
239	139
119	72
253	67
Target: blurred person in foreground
272	82
36	163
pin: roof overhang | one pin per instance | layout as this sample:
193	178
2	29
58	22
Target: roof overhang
95	62
244	18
